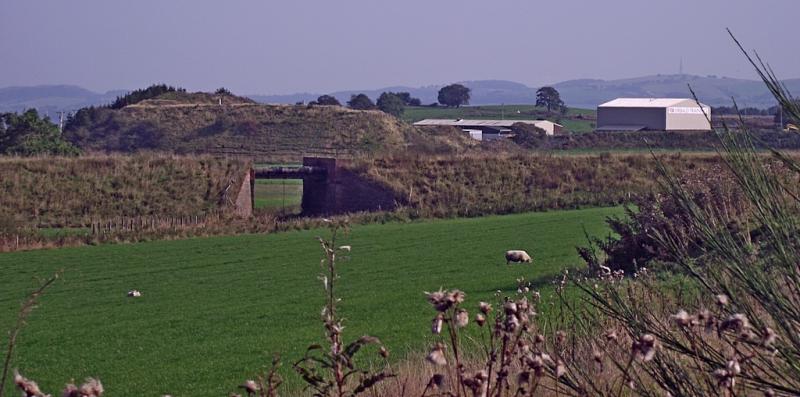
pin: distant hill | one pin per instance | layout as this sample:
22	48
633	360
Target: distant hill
49	99
712	90
586	93
583	93
484	92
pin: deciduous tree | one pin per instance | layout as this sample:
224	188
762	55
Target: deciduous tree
328	100
454	95
360	102
391	103
550	98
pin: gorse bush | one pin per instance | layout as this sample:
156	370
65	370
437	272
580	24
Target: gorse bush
632	244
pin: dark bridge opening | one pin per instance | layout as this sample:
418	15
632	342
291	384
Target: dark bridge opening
329	188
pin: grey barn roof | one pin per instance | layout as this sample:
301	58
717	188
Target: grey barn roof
650	103
480	123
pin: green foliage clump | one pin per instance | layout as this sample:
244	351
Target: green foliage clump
151	92
527	135
27	134
223	91
327	100
454	95
360	102
391	103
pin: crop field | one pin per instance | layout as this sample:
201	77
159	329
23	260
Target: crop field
279	194
214	310
576	120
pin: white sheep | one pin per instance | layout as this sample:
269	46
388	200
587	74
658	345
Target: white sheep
134	293
517	256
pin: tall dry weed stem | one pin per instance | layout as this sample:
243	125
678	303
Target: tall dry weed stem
332	370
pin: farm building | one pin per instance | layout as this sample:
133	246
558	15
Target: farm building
486	130
660	114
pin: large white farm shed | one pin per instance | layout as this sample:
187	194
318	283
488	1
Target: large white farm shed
660	114
491	129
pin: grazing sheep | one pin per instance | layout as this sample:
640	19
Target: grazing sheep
134	293
517	256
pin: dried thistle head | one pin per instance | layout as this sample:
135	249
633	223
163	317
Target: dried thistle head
769	337
436	355
461	318
733	367
511	324
722	300
28	387
644	348
736	323
437	381
383	352
92	388
438	299
706	319
456	297
70	390
484	307
725	379
561	369
681	318
522	305
510	308
480	319
561	337
250	386
444	300
536	363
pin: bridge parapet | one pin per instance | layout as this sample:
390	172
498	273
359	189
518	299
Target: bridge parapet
290	172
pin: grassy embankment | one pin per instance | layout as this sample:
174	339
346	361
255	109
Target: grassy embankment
576	120
447	186
213	310
64	192
188	123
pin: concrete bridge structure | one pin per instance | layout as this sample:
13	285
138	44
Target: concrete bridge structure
329	188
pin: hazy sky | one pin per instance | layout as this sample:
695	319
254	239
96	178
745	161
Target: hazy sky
274	46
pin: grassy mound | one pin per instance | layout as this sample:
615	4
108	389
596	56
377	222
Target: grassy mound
196	123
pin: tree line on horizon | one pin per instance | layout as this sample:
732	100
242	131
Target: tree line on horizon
453	95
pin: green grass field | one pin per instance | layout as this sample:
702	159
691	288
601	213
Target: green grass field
214	310
498	112
284	194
